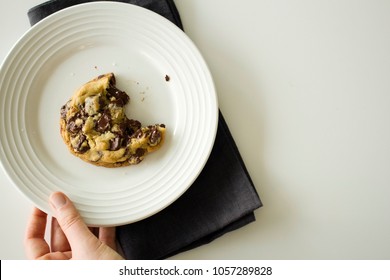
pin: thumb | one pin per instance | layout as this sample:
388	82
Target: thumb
70	221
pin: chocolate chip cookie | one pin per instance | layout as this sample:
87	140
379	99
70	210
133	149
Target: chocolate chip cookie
95	127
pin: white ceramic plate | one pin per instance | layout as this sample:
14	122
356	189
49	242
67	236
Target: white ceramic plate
66	50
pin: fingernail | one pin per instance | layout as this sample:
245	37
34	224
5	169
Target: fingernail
57	200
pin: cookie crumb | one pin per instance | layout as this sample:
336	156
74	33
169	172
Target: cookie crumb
167	78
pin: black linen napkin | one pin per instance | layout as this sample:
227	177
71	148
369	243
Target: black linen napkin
222	198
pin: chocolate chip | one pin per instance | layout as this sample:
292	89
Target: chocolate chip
103	124
82	145
74	124
72	127
162	125
138	156
115	144
126	141
134	124
102	103
119	95
155	137
138	134
64	110
112	80
148	131
83	149
118	102
140	152
134	160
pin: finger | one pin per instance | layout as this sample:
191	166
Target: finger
71	222
35	244
107	236
57	256
58	242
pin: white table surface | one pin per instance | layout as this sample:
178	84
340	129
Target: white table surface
305	88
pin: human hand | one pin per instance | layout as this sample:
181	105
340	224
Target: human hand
70	236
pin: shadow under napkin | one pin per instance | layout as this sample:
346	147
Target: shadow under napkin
221	199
